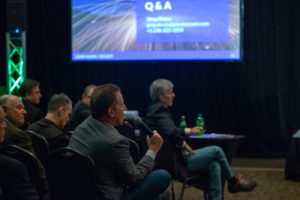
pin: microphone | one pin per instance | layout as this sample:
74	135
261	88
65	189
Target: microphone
128	124
139	123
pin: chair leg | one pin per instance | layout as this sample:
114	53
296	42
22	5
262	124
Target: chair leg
173	194
182	191
205	195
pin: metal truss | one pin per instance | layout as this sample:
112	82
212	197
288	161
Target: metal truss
16	61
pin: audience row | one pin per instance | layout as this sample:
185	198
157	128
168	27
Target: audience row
94	120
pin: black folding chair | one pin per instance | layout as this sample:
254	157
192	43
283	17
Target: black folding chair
40	145
28	160
168	160
71	175
61	140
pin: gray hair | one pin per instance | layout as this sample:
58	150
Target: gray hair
58	100
159	87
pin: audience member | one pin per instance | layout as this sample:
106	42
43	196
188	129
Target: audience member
2	125
81	109
31	95
14	181
59	109
211	159
117	176
14	110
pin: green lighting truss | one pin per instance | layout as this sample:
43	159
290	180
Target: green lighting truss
16	61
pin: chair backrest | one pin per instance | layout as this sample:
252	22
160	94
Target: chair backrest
70	175
40	145
128	130
134	151
167	159
28	160
61	140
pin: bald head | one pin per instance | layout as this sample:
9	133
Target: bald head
5	100
13	108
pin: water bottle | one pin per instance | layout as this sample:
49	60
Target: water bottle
182	123
200	122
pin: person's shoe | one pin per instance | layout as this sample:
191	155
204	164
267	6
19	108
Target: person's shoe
241	186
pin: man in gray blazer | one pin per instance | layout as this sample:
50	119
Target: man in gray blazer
118	177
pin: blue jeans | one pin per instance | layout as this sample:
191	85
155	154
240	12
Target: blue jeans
213	160
154	184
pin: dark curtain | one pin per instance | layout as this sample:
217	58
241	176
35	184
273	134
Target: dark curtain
257	98
2	43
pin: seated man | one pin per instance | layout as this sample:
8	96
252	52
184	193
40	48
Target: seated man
117	176
31	95
14	181
14	110
59	109
81	109
211	159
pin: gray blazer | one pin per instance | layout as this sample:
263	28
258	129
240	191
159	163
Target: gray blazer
115	169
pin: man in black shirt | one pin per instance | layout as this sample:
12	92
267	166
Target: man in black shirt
210	160
59	109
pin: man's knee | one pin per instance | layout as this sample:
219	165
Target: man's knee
215	167
163	177
217	150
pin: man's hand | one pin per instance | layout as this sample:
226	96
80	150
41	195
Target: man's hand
189	149
196	129
155	142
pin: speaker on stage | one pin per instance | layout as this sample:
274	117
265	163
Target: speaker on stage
16	15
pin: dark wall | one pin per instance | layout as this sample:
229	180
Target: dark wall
2	43
258	98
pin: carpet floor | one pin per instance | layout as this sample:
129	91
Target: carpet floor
271	184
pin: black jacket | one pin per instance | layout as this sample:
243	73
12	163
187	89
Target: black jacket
159	118
49	130
33	113
80	112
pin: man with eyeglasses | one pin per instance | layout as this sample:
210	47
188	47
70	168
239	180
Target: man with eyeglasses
81	109
117	176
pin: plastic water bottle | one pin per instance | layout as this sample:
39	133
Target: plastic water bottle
200	122
182	123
